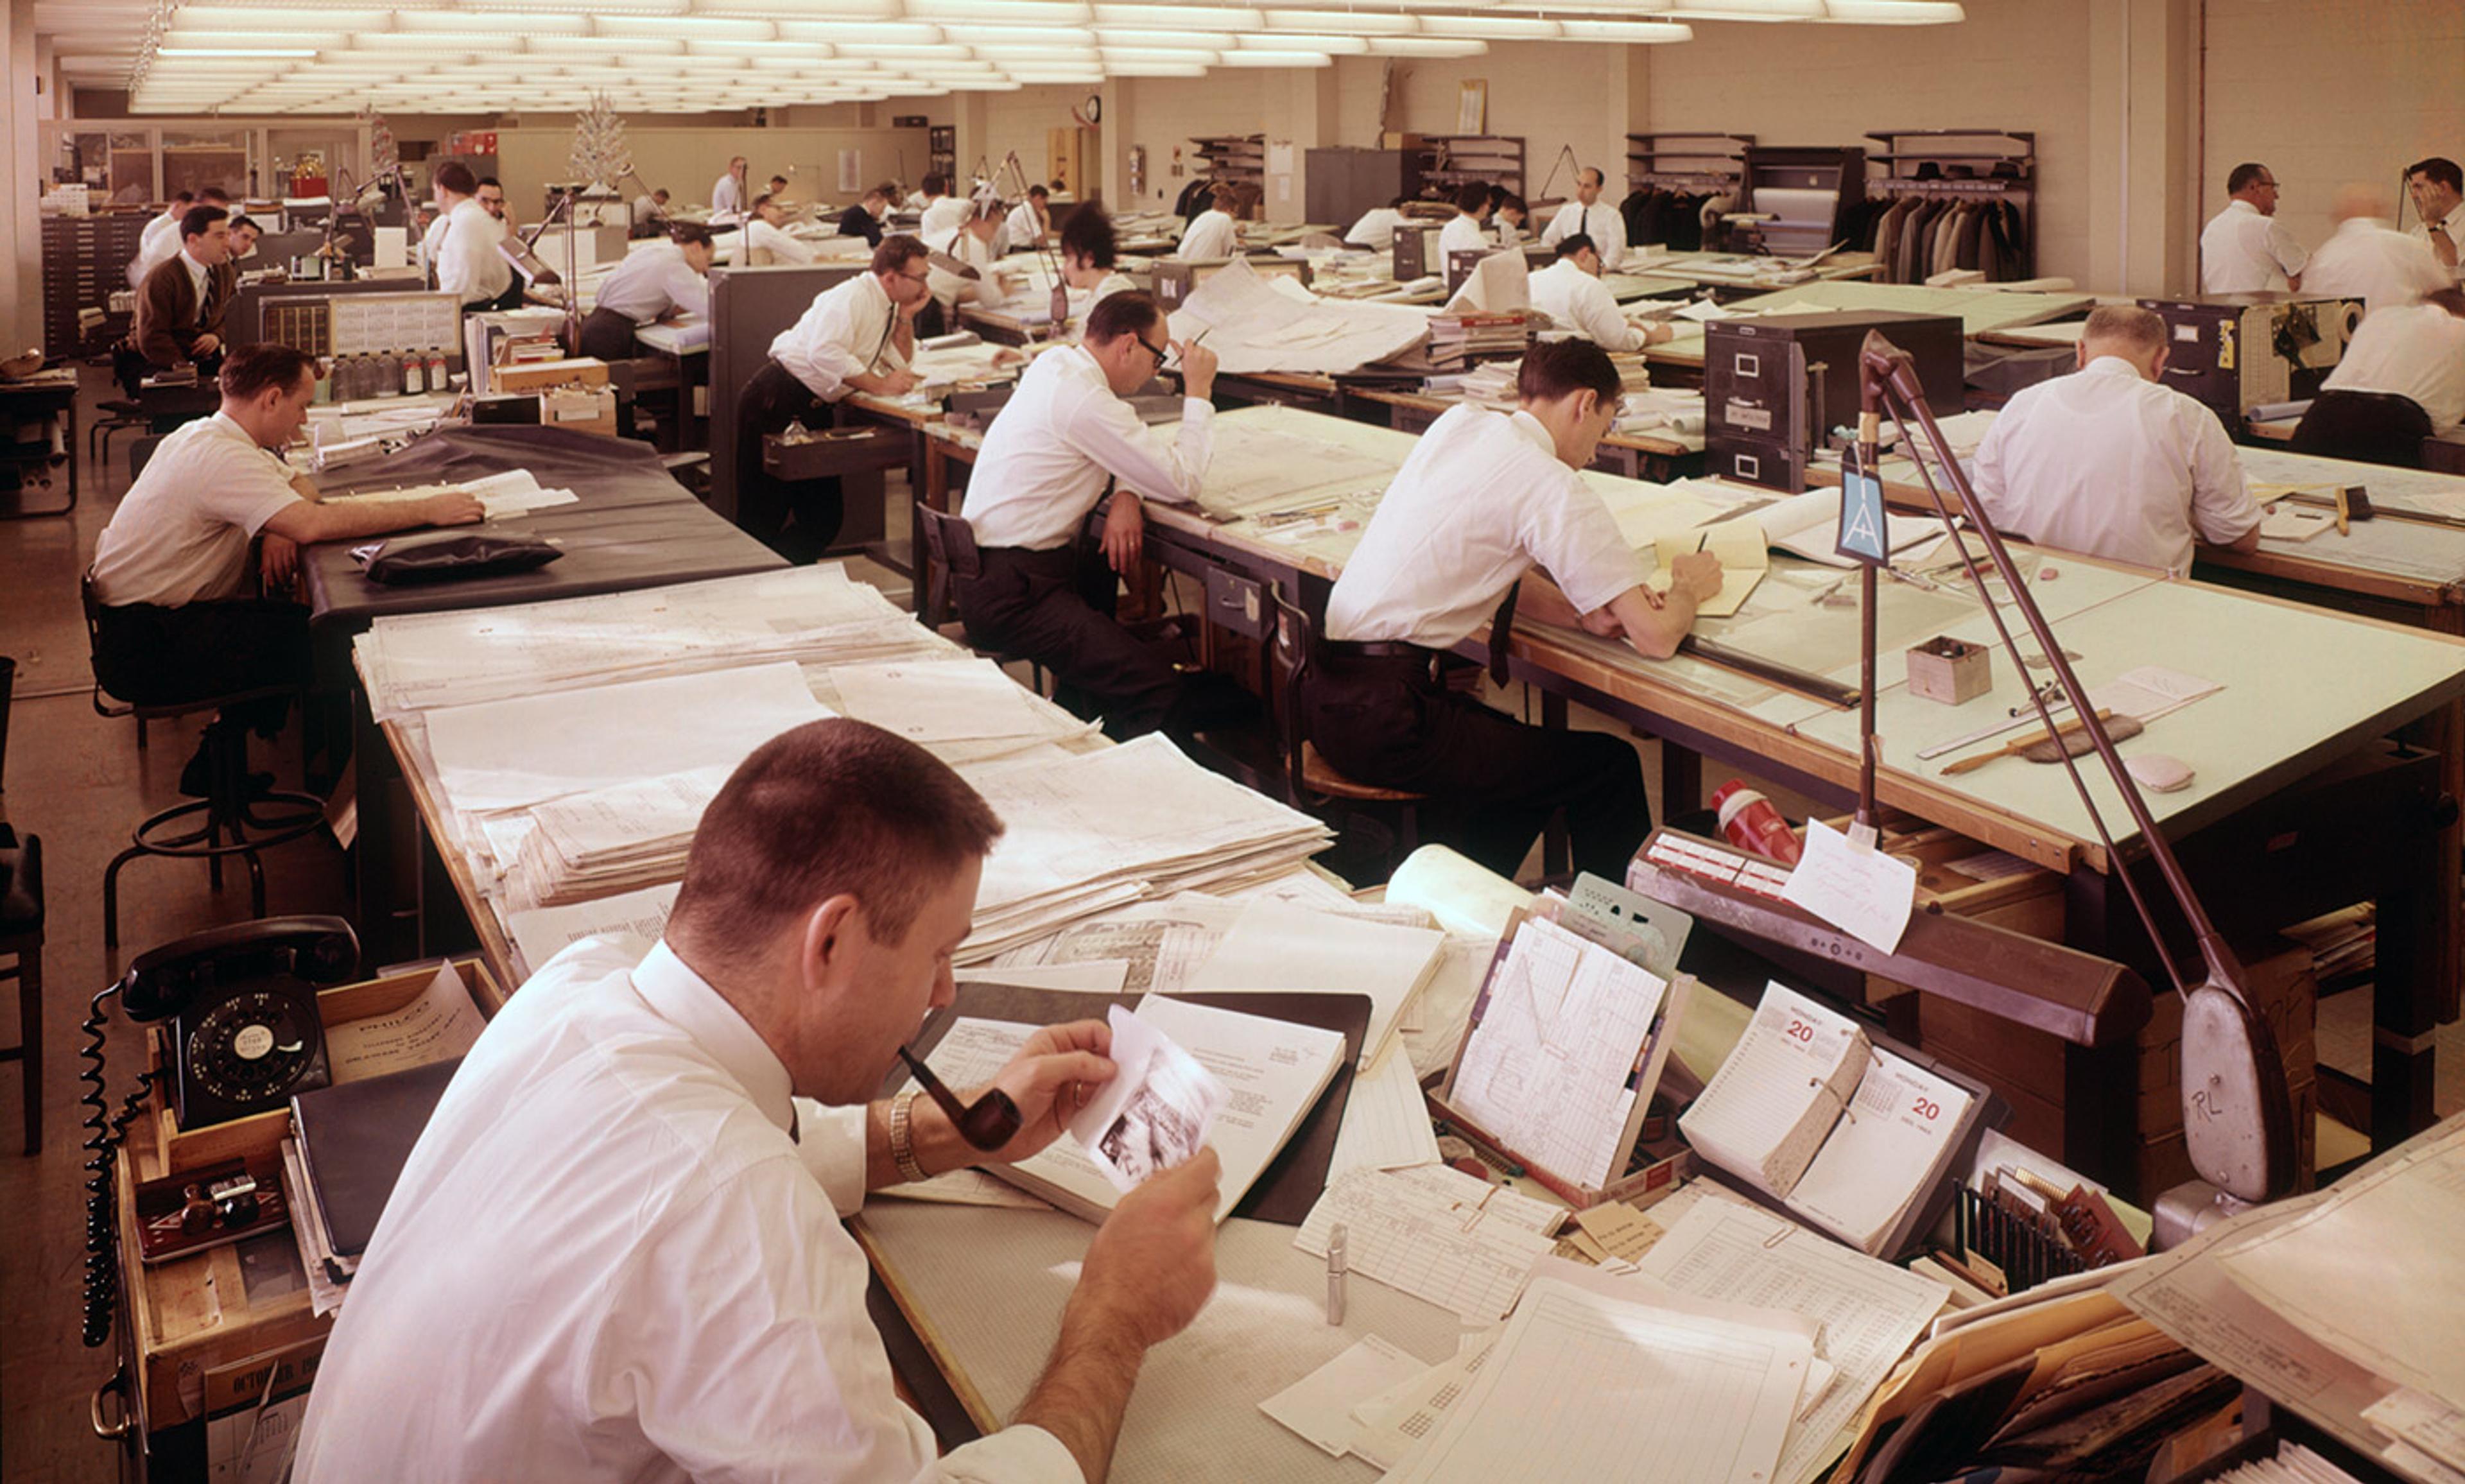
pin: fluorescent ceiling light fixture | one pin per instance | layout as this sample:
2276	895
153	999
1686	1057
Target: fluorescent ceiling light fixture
1276	60
612	48
450	22
1364	23
882	32
1425	46
687	28
1491	28
1893	12
769	51
1632	33
1139	39
1005	37
1117	57
235	51
1750	10
261	18
1332	46
789	11
1025	12
1116	69
1174	18
582	7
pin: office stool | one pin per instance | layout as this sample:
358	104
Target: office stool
124	416
21	944
221	820
950	551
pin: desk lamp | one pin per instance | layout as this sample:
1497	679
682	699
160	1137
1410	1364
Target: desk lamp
2237	1121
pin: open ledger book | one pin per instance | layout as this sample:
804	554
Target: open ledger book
1845	1134
1274	1071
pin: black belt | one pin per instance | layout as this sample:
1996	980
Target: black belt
1378	648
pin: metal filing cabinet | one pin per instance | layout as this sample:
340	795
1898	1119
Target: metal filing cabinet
1774	387
85	261
2238	351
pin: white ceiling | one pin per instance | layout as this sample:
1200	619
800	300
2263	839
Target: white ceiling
337	57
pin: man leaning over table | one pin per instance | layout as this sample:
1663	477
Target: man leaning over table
616	1253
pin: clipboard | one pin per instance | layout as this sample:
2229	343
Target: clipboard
1292	1182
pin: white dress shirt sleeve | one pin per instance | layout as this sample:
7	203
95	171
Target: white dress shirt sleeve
1107	431
469	265
2290	254
1596	315
1575	539
831	1141
836	339
2222	509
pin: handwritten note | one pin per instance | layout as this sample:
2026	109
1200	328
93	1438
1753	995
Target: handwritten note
1863	893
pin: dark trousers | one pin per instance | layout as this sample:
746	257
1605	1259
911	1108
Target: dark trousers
608	335
2368	427
163	657
797	518
1055	608
1491	782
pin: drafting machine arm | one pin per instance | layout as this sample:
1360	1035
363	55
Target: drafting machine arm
2237	1118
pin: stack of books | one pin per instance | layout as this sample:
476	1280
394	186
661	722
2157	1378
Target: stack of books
1460	339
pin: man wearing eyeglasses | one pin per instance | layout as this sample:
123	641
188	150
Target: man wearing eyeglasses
2245	249
1043	590
857	337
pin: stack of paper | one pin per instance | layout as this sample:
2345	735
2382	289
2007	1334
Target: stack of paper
1275	947
1254	325
1103	828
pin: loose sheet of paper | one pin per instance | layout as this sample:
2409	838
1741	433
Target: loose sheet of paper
942	700
1870	1311
1741	546
1434	1233
1157	1109
633	921
440	1024
1319	1407
1863	893
1547	1070
1394	1422
1278	948
1585	1385
1386	1120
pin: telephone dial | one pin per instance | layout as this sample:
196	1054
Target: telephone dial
244	1036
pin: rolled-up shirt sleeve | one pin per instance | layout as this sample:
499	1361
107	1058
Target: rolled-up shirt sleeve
1107	431
2222	509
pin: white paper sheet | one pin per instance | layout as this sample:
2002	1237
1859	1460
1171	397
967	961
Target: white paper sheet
1279	948
440	1024
1252	327
1386	1121
1864	892
1882	1152
936	701
1155	1113
633	920
1319	1407
1434	1233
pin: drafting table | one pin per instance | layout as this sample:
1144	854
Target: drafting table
1654	453
1979	310
2360	680
1730	272
45	394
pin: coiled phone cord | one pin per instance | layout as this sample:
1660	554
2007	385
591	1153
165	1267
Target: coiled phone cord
103	1136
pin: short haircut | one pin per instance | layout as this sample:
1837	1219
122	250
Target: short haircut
763	200
2242	177
1511	202
1038	193
1472	196
829	808
182	197
215	195
1116	314
778	180
1088	235
888	190
1592	171
1554	369
2124	325
490	180
456	176
1225	193
936	185
897	252
691	234
1575	242
249	222
2442	169
660	194
250	370
198	219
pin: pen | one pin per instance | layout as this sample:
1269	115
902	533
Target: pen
1335	1271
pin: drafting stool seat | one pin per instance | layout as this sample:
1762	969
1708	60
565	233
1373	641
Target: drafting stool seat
218	825
950	555
1310	779
121	417
21	944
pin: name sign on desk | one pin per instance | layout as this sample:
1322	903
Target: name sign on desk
1853	887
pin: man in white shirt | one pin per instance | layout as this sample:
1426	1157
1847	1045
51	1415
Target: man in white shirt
2365	258
616	1252
660	280
2438	187
491	196
943	211
468	265
727	192
1212	234
161	238
2110	462
1569	291
1376	229
1507	214
856	336
1468	229
1089	253
1588	215
1485	497
171	571
1029	220
970	242
2401	378
767	239
650	210
2245	249
1040	589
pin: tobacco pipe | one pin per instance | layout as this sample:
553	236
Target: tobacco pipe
991	1121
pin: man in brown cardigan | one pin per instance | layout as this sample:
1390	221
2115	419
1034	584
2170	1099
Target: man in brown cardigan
181	304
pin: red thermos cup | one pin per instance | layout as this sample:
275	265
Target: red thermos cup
1751	824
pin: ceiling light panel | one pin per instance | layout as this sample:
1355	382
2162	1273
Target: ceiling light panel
1628	32
1179	17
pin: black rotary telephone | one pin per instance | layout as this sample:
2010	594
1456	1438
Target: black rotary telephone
244	1036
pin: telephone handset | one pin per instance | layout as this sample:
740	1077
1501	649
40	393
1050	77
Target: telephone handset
244	1036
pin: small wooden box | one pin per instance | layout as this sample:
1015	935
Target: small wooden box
580	410
1950	671
540	375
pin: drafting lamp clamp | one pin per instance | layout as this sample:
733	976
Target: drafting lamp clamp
2237	1121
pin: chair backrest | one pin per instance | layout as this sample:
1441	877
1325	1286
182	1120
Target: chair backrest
1293	650
950	554
94	648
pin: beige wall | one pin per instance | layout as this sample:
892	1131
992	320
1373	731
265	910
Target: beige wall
1549	92
2323	93
688	160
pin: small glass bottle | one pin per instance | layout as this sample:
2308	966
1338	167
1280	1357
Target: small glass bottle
414	374
388	374
437	381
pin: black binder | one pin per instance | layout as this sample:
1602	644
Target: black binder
354	1139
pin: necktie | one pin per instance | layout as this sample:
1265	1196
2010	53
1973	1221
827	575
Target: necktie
1500	627
2443	247
888	327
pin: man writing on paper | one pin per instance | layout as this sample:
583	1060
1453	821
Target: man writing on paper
170	571
2245	249
1212	234
1044	589
1586	214
1485	497
2110	462
616	1252
1029	220
660	280
1569	291
857	336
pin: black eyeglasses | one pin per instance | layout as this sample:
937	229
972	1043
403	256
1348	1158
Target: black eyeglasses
1160	355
